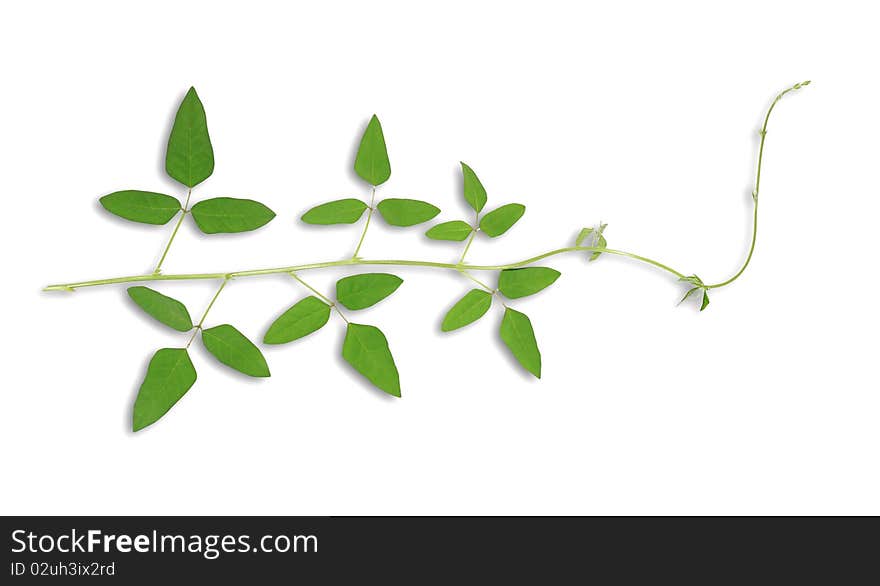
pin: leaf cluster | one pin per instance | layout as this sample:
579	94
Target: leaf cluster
189	159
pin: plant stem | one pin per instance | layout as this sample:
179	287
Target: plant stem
199	325
476	280
757	189
185	211
326	299
467	246
464	254
367	224
339	311
460	266
358	261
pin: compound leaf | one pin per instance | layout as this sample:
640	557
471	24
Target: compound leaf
515	283
371	162
502	219
167	310
366	349
233	349
189	158
304	317
340	211
474	192
518	335
406	212
229	215
456	230
145	207
467	310
361	291
169	376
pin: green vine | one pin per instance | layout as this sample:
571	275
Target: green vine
190	160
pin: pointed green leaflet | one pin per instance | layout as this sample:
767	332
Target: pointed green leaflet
304	317
189	158
234	350
366	349
406	212
515	283
467	310
341	211
474	192
518	335
502	219
371	163
169	376
362	291
145	207
167	310
704	303
229	215
455	230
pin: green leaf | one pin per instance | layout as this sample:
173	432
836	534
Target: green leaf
169	376
502	219
341	211
145	207
518	335
170	312
704	303
406	212
467	310
371	162
598	242
190	157
456	230
361	291
474	192
229	215
231	348
366	349
514	283
304	317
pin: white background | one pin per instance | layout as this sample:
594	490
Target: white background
644	115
